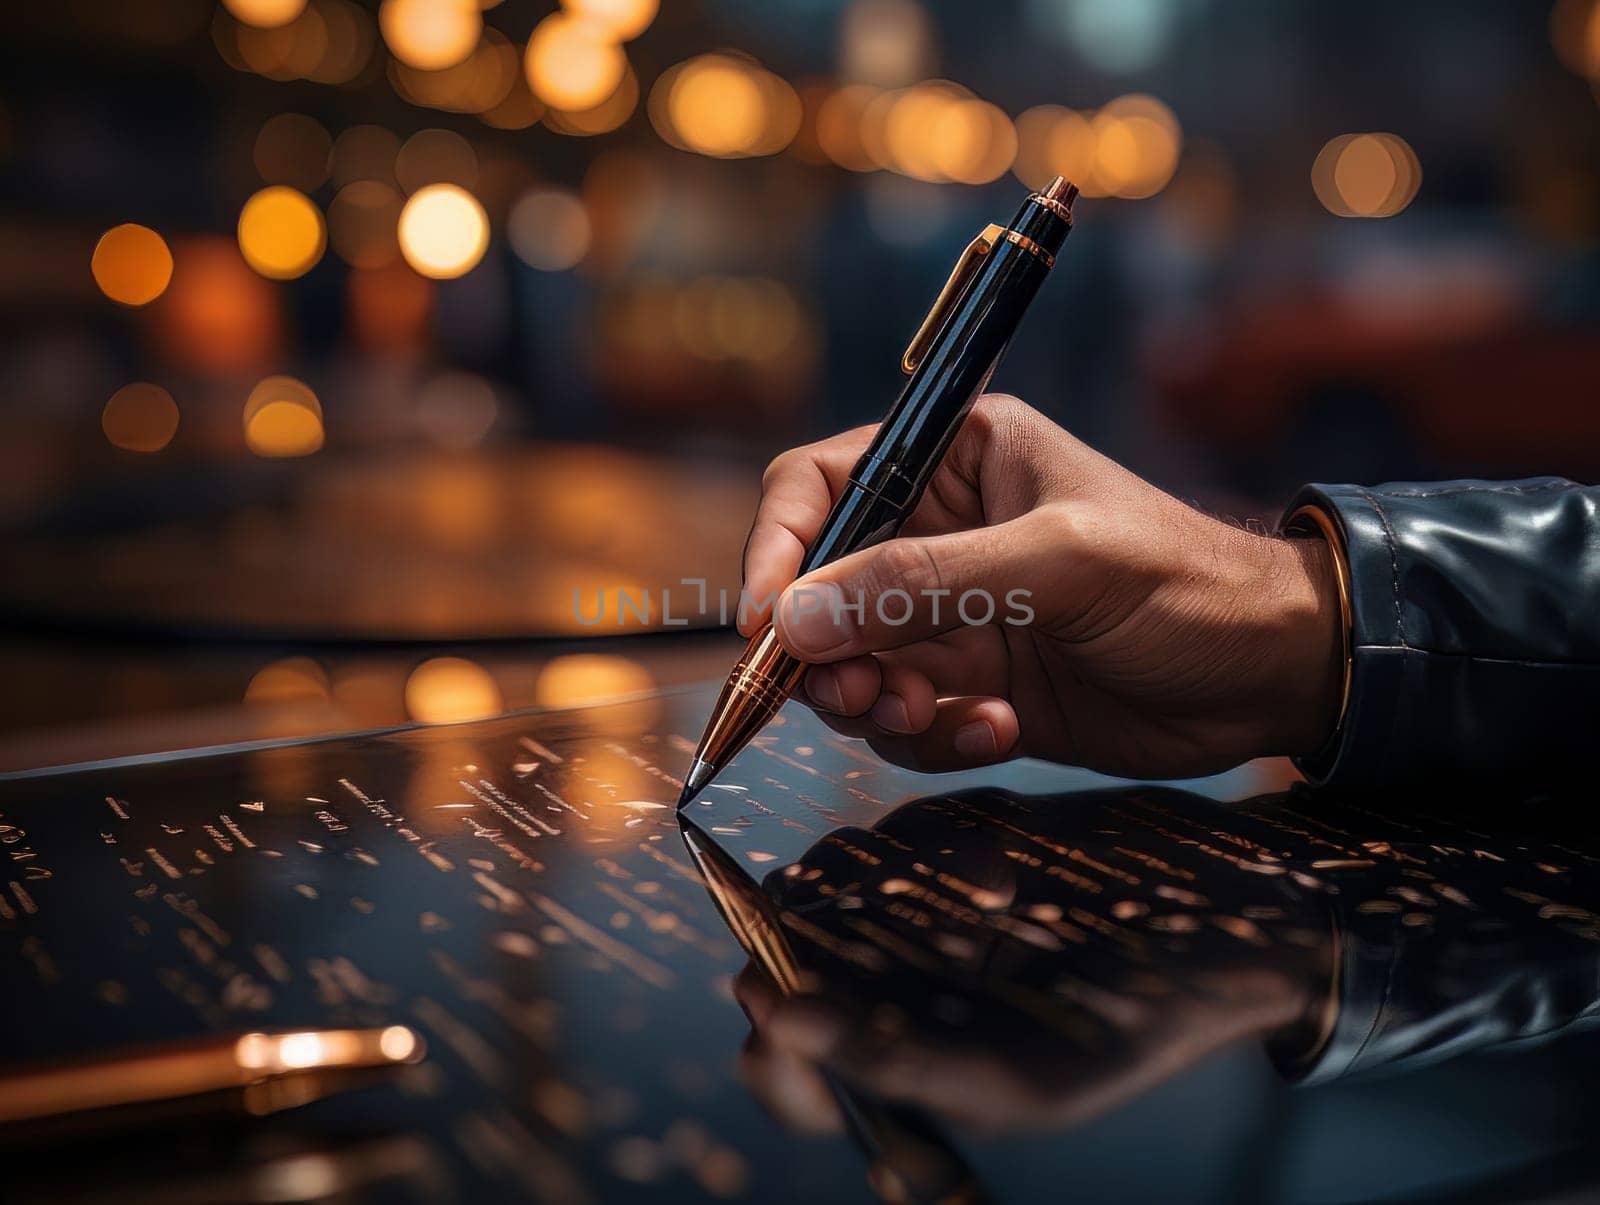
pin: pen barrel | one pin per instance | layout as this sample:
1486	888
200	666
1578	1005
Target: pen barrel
761	682
888	481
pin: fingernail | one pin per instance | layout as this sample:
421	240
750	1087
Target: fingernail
813	621
823	687
976	740
890	712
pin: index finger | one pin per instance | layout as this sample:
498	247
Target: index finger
796	493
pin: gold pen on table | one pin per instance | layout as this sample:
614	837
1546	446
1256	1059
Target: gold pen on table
164	1071
950	360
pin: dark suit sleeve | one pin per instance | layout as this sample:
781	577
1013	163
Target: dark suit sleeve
1475	634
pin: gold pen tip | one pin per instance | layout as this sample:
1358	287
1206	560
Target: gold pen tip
695	781
1061	190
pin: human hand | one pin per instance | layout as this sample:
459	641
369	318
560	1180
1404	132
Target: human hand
1162	642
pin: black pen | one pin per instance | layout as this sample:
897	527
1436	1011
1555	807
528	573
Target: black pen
950	360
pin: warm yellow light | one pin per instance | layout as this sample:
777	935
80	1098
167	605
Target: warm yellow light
573	63
430	34
839	127
549	230
1575	33
283	429
449	690
281	233
1366	175
479	82
1137	141
443	231
292	680
604	117
282	418
140	418
1071	148
131	264
265	14
624	20
717	106
579	679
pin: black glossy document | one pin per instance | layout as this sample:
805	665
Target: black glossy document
1055	981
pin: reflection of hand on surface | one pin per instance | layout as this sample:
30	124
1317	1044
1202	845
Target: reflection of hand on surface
1015	1073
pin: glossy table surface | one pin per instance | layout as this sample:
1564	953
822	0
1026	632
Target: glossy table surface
1063	985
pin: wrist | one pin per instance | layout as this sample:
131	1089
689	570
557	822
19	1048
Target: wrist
1307	623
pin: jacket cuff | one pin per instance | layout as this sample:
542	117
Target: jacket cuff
1372	690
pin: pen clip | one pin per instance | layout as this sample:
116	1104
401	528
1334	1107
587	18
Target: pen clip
950	296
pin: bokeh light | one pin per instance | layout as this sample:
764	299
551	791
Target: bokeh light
293	149
218	317
725	106
281	233
1366	175
624	20
364	153
291	680
430	34
389	309
131	264
1575	34
839	123
362	224
1130	148
885	43
297	50
1137	142
140	418
282	418
265	14
479	83
608	115
436	157
583	679
573	63
549	229
443	231
450	690
456	410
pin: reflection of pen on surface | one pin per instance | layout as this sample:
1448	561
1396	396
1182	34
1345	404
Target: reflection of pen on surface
172	1070
911	1161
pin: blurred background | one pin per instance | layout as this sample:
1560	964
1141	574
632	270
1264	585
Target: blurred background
345	341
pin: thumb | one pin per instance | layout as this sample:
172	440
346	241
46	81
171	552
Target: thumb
908	590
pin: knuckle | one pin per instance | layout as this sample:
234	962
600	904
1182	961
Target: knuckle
779	467
907	564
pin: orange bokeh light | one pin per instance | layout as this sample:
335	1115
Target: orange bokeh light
131	264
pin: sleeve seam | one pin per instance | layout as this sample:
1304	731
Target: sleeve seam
1547	487
1394	565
